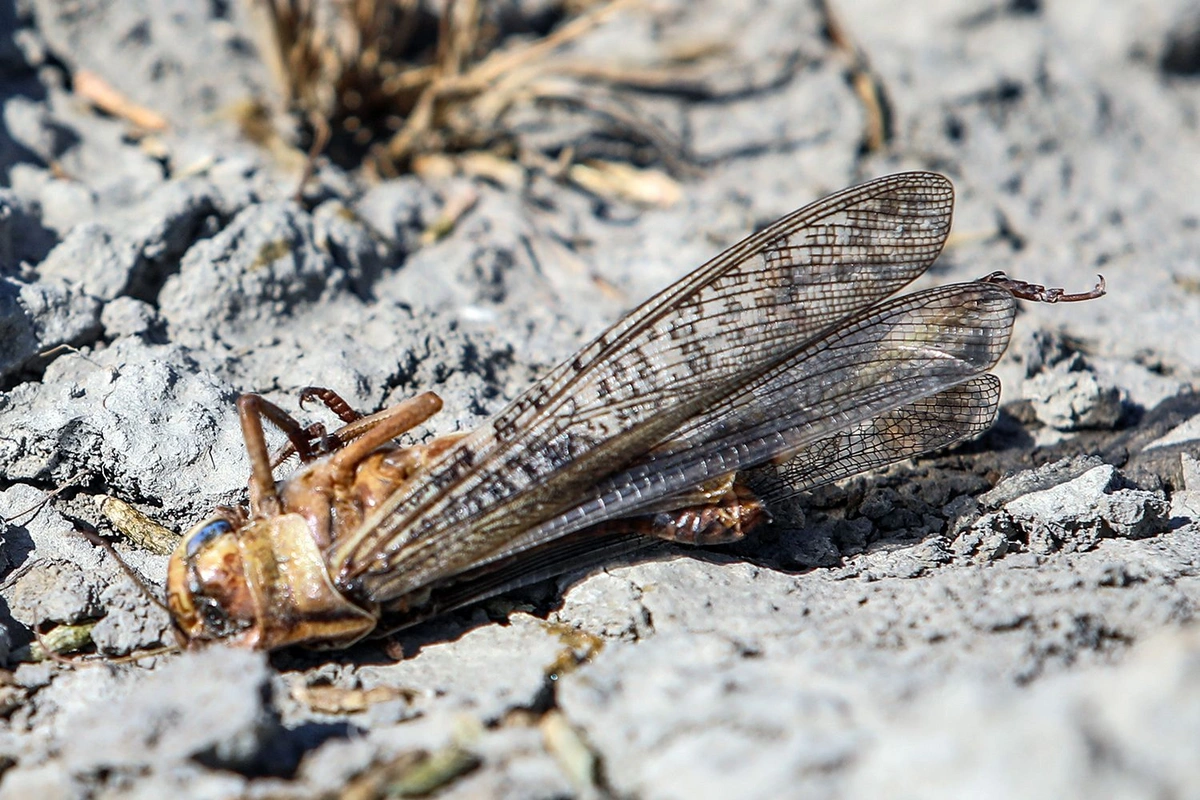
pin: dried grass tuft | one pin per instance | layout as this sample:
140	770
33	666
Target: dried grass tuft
397	85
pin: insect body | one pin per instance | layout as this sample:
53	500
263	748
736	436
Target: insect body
783	353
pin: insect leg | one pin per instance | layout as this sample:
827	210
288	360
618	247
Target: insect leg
398	419
1040	294
264	501
733	514
332	400
319	441
360	438
356	425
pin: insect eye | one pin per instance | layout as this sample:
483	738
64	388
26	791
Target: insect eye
215	619
211	531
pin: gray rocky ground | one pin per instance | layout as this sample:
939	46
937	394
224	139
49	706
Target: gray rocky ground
1015	618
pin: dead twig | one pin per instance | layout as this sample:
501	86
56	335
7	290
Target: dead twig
101	94
137	527
867	83
45	501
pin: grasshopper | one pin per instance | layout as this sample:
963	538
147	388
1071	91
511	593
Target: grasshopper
787	354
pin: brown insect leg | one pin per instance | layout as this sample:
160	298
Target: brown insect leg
332	400
319	441
264	500
359	428
362	437
1041	294
725	521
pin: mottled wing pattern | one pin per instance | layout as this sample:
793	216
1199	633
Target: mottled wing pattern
692	345
894	355
927	424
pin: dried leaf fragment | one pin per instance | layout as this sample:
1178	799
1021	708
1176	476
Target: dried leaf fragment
101	94
615	180
58	641
137	527
327	699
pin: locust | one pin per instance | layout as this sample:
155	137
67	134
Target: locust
787	356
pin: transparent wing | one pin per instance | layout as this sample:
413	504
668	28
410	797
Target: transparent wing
698	342
893	356
928	424
925	425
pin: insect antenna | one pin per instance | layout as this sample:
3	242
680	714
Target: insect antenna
129	571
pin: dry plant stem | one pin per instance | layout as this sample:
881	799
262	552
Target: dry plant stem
456	206
663	142
479	78
502	63
411	78
412	774
618	179
677	80
419	120
687	79
69	639
402	33
45	501
458	35
329	699
296	24
866	82
137	527
572	753
103	96
321	135
78	636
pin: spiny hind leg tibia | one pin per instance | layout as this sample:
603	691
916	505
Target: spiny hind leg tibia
357	425
360	438
332	400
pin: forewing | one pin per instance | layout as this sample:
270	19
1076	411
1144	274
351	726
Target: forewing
693	344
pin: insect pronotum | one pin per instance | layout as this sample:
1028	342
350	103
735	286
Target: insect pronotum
786	352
